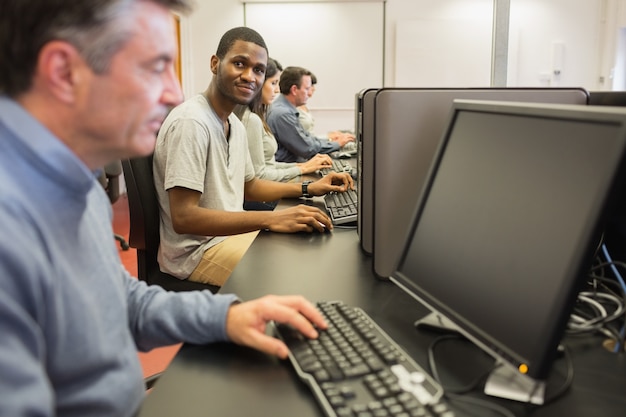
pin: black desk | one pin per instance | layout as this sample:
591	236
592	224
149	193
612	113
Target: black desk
227	380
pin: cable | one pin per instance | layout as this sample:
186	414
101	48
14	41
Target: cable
599	308
459	393
622	337
606	283
569	378
613	267
603	316
432	363
613	289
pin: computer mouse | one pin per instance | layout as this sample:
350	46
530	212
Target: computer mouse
354	174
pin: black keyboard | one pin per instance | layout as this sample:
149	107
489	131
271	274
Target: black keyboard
355	369
338	165
342	207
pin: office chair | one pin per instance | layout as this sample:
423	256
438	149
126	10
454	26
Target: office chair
144	227
151	380
110	181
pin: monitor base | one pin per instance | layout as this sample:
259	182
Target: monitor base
436	322
505	382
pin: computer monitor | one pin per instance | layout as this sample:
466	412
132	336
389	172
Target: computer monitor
607	98
364	132
615	232
506	229
408	126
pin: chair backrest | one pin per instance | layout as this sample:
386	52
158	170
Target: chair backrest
144	226
110	180
142	204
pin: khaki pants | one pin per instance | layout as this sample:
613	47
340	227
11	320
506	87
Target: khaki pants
218	261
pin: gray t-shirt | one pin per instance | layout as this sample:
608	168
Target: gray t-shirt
192	152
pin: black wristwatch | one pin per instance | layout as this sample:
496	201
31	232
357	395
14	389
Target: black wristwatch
305	189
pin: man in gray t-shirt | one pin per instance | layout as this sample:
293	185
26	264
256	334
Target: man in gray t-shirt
203	172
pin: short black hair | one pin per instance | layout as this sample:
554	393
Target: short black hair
241	33
292	76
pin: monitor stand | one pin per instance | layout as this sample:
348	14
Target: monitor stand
437	322
503	382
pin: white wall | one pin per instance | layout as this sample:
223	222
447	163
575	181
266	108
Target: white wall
613	58
406	16
539	28
200	34
587	29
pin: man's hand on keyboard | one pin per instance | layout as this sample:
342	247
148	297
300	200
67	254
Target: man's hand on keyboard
341	137
301	218
333	181
246	322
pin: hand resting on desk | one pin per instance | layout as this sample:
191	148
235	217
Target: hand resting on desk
246	322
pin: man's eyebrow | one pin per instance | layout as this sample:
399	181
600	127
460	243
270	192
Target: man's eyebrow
240	57
243	57
161	58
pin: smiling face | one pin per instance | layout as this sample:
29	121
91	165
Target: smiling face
240	74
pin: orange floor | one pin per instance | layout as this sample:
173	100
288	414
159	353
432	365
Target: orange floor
157	359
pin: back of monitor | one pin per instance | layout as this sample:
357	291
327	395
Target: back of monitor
364	131
408	126
607	98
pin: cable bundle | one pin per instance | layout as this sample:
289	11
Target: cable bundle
602	306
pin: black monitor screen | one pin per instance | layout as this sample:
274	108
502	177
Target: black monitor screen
508	224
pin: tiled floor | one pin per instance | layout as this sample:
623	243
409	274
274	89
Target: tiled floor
157	359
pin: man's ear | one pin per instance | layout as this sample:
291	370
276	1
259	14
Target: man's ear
293	89
58	69
215	62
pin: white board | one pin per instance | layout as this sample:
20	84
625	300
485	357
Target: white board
443	53
340	42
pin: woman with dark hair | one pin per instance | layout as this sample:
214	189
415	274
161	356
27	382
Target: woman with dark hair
261	141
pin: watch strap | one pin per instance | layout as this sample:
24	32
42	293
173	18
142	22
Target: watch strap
305	189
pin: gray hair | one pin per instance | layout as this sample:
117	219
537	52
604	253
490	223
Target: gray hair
96	28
